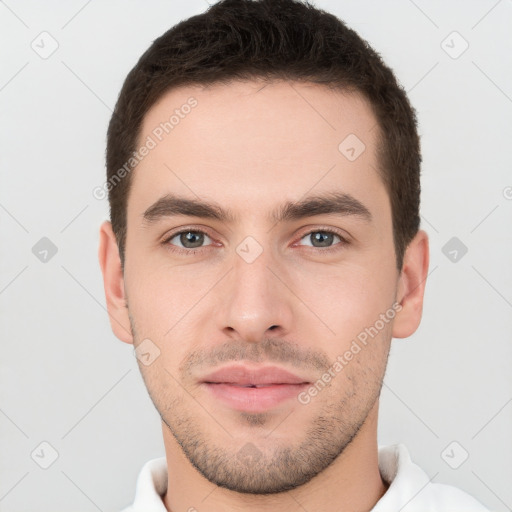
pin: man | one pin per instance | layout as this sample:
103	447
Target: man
264	247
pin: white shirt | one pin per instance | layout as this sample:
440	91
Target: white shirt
410	489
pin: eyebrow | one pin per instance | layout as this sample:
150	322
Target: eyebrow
338	203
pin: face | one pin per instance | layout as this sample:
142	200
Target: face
258	301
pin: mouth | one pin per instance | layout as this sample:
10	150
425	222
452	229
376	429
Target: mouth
253	389
248	385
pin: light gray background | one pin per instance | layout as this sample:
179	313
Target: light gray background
66	380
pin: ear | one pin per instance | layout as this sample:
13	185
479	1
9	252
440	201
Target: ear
411	286
113	282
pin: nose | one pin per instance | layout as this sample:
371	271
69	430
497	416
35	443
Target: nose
256	302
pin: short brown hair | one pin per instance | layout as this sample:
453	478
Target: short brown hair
271	39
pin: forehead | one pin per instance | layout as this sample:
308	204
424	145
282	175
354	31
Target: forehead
254	141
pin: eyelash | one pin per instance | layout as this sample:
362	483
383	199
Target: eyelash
190	252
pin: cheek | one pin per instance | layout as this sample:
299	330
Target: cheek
348	298
171	305
159	297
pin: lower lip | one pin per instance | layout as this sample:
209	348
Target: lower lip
254	399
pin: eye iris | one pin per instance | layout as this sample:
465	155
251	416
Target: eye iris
324	239
191	237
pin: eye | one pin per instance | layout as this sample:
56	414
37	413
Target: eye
324	238
188	239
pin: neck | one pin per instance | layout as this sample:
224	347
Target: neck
351	483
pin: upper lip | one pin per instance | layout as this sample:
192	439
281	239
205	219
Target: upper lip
249	376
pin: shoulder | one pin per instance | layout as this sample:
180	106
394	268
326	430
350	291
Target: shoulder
411	490
449	498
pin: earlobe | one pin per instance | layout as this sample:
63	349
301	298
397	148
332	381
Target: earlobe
113	282
411	286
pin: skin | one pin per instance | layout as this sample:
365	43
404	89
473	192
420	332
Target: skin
250	147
